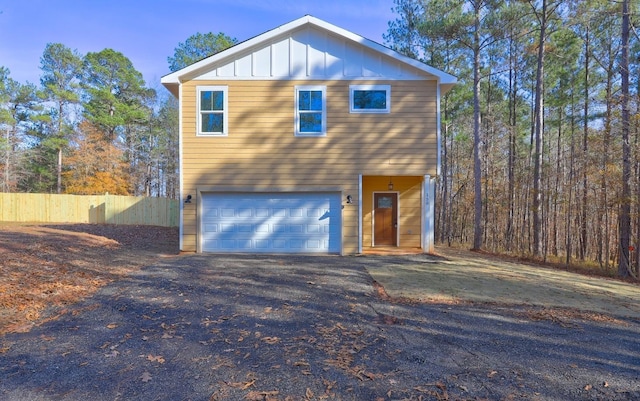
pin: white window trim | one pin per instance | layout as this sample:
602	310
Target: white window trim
225	111
386	88
323	89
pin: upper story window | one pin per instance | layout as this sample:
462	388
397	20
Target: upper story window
212	110
311	111
370	98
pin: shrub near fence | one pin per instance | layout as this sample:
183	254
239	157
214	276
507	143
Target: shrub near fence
98	209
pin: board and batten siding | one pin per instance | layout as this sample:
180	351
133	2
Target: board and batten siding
261	152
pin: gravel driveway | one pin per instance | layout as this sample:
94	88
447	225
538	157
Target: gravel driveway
308	328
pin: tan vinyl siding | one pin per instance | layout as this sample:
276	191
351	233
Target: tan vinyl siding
261	152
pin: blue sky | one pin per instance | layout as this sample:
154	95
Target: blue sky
147	31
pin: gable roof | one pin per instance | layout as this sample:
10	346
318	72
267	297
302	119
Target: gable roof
329	54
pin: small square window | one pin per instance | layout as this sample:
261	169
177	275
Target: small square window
370	98
212	110
311	111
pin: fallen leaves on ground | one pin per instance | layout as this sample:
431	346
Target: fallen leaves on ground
145	377
112	354
565	317
343	345
242	385
440	392
271	340
155	358
262	395
43	268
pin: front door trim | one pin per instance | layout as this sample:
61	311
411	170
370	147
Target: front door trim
373	216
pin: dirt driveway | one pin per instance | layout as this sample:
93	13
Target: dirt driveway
213	327
308	328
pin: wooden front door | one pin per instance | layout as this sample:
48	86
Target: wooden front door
385	219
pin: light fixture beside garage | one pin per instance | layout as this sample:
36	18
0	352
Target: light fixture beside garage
349	199
390	184
188	200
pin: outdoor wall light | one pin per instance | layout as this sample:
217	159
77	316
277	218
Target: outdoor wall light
390	184
349	199
188	200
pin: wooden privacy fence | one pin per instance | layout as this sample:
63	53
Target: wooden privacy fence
98	209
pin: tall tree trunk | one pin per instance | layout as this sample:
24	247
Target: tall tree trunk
556	190
513	96
486	237
59	172
444	226
6	182
602	219
637	140
625	206
539	127
59	164
477	146
636	249
585	151
569	210
148	178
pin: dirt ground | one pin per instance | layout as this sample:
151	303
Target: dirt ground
463	276
46	268
152	326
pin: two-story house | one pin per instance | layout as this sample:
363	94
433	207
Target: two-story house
308	139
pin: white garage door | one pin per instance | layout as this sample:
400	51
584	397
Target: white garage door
271	222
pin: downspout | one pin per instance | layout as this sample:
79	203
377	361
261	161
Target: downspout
180	158
359	213
438	130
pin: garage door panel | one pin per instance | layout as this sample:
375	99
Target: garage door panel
261	228
227	228
271	222
296	228
228	212
262	244
210	227
313	228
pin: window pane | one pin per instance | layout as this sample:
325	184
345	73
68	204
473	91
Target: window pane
311	122
310	100
316	100
369	99
304	101
212	122
211	100
385	202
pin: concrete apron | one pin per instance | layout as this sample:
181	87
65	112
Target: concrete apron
466	276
